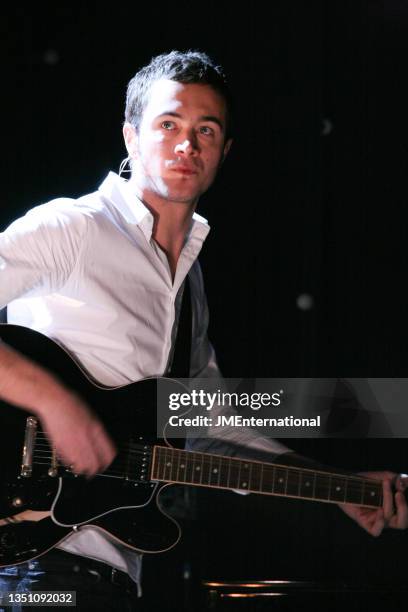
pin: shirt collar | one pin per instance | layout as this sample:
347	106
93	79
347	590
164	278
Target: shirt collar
135	212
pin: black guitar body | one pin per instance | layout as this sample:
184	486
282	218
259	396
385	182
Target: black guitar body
123	501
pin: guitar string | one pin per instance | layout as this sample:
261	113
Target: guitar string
206	461
288	481
272	491
353	484
133	450
291	470
354	488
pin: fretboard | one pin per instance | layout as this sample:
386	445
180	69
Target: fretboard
216	471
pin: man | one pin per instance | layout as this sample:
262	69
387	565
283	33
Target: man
104	276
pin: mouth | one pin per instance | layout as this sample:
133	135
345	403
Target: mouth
184	171
187	170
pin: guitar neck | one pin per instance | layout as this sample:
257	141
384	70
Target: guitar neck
229	473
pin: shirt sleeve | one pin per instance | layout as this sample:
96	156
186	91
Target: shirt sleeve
242	442
39	251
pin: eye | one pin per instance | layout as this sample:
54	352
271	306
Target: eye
167	125
207	131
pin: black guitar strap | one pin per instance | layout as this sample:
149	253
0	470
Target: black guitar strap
3	315
180	366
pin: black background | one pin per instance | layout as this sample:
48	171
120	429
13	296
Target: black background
294	211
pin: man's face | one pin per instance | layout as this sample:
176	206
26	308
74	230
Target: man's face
180	142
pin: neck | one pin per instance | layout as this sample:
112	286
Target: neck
172	221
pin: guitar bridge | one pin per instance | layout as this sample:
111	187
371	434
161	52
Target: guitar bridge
28	448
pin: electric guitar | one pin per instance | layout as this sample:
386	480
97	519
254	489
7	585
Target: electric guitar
42	502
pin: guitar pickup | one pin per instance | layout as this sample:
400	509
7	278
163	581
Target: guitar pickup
28	448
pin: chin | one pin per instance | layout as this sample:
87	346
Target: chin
181	197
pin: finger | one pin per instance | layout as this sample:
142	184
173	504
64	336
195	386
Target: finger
378	475
388	502
377	524
400	519
103	459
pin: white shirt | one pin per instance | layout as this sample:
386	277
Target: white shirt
87	273
92	278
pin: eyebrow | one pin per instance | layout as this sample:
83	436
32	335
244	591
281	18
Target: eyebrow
202	118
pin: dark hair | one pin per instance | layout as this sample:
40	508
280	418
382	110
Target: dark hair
182	67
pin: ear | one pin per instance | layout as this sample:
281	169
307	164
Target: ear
131	139
227	147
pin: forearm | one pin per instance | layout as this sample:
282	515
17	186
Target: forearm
27	385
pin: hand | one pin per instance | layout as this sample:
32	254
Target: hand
78	436
394	511
75	432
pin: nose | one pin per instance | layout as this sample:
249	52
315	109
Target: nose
189	146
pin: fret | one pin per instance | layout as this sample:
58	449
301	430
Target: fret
190	459
355	490
255	479
174	456
268	472
160	463
337	489
206	470
215	474
218	472
372	494
239	472
307	484
234	473
250	476
197	469
273	479
182	467
322	486
292	482
280	480
173	472
211	469
173	459
245	474
202	468
228	471
167	465
224	472
179	456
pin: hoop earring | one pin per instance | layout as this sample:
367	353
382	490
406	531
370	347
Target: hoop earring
124	163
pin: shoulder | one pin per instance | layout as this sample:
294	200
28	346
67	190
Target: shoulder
60	215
